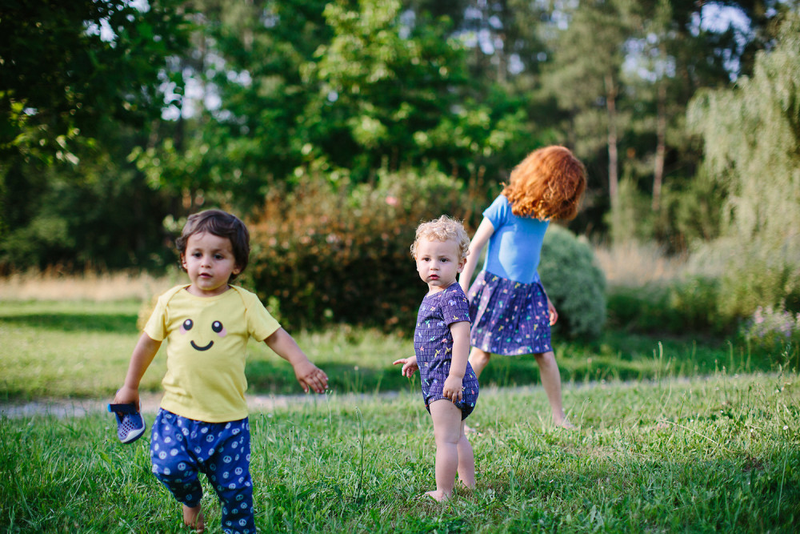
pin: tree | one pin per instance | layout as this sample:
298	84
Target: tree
751	135
69	66
585	79
81	82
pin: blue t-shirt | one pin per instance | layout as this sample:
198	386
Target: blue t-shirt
514	248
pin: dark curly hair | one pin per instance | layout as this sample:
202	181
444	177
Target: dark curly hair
221	224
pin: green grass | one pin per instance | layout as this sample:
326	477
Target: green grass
82	349
703	437
716	454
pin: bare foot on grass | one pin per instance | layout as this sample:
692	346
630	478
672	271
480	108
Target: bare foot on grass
438	495
469	430
193	518
564	423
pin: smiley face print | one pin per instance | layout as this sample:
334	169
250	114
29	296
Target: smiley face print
216	328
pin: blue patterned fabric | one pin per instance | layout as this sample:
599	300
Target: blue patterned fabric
433	345
181	448
511	318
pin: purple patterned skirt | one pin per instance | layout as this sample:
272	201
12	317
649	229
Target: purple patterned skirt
508	317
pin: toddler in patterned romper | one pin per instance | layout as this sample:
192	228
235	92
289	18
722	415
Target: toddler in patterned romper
202	424
441	347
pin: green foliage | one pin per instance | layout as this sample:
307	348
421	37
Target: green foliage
679	307
752	145
691	211
574	283
334	254
633	219
81	83
100	216
63	77
775	331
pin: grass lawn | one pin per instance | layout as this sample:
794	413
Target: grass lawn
82	349
699	438
716	454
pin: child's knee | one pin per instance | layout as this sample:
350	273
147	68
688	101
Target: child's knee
545	358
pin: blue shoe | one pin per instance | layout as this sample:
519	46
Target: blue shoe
130	424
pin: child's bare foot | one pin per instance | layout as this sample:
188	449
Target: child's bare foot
193	518
469	430
438	495
564	423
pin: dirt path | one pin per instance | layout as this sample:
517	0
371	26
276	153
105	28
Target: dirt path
63	408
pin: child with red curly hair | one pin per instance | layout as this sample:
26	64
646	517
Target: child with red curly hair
511	313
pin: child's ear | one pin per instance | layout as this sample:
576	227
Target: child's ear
236	270
183	261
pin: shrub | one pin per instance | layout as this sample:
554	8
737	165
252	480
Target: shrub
574	283
329	253
682	305
772	330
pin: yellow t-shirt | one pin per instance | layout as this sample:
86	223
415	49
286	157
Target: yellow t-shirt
206	350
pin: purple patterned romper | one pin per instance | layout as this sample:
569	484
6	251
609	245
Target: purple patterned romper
433	345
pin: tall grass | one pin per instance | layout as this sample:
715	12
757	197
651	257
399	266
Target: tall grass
54	285
636	264
703	455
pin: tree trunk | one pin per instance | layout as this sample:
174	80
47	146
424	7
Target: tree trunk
661	146
613	160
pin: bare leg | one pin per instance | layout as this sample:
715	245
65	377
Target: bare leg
193	518
466	460
478	359
551	381
447	431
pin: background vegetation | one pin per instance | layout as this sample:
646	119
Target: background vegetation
334	127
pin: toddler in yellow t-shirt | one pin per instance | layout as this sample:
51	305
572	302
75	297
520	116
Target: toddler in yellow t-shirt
202	423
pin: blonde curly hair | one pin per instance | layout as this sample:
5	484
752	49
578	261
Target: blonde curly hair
548	184
443	229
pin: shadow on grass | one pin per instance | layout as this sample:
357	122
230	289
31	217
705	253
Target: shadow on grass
76	322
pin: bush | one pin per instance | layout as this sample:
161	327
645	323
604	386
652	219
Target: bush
574	283
774	331
679	306
327	253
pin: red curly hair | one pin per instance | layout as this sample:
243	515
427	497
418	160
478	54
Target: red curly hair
548	184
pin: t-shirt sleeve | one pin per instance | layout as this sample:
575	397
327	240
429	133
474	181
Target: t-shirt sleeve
497	213
156	327
455	308
260	323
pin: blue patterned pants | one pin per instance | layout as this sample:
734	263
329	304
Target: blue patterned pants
181	448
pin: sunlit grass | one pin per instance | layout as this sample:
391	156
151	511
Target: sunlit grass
52	284
81	349
702	455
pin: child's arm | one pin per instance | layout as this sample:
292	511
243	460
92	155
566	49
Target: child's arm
479	240
143	354
551	309
409	365
453	389
308	374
